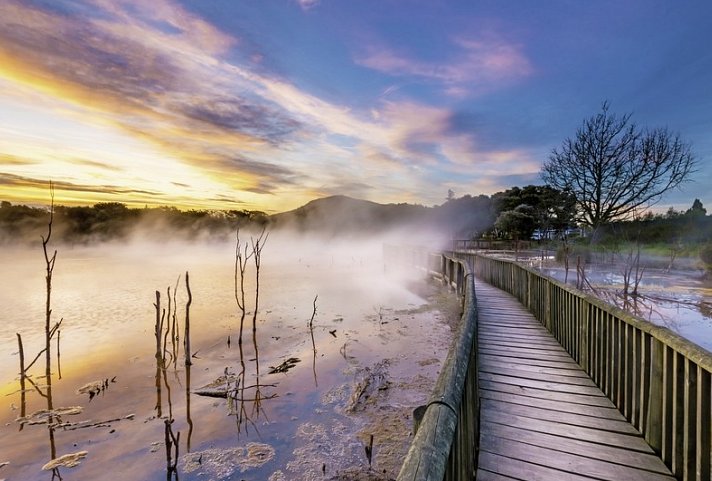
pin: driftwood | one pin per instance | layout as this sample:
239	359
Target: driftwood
227	385
66	461
285	366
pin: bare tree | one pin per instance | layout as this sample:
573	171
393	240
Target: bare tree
613	167
257	246
241	257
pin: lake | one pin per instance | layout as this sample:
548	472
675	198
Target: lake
372	355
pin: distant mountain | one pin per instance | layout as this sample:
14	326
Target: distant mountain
461	218
341	214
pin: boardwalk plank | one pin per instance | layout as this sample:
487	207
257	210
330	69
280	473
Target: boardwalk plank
521	366
555	405
541	384
648	462
542	417
619	426
567	365
534	373
544	349
567	462
523	470
526	354
546	394
625	441
524	338
483	475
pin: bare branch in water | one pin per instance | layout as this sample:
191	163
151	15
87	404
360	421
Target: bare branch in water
186	336
257	246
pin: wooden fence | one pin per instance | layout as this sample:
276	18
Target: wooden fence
445	444
658	380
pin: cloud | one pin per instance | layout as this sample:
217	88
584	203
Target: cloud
9	159
170	80
239	115
12	180
153	72
478	65
97	165
308	4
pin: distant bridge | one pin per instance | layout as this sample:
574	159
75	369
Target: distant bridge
544	382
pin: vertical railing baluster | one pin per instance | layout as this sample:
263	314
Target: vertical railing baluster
653	424
703	450
689	422
667	392
628	369
645	372
678	420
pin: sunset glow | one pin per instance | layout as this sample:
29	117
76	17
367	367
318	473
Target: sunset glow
267	105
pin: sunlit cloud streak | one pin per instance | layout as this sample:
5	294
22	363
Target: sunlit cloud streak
479	65
169	79
9	159
7	180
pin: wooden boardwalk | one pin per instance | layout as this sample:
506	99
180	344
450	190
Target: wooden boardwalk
542	418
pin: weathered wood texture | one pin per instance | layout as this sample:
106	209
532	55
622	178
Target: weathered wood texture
658	380
445	444
541	415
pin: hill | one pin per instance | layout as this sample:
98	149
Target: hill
339	214
342	214
332	216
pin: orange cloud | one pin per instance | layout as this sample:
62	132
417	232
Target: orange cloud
158	77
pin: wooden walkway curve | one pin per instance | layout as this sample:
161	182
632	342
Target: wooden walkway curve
542	417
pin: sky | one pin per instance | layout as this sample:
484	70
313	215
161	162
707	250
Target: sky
268	104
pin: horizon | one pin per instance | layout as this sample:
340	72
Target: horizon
244	106
656	210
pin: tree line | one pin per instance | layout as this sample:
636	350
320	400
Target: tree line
519	213
108	221
601	179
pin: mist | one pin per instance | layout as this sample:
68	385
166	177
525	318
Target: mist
324	300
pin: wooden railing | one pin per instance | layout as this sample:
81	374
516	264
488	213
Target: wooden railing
491	244
658	380
445	443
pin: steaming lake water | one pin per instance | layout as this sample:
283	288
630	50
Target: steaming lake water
367	326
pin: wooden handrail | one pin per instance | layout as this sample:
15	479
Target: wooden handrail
659	380
445	444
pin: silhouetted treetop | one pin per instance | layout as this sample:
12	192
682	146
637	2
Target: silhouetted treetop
613	167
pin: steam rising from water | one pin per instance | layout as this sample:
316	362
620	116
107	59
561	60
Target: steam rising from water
105	291
105	295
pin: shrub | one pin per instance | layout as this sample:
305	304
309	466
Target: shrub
706	257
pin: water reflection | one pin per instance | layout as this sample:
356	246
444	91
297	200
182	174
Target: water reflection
242	394
165	327
49	417
172	443
189	419
311	332
110	333
243	391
